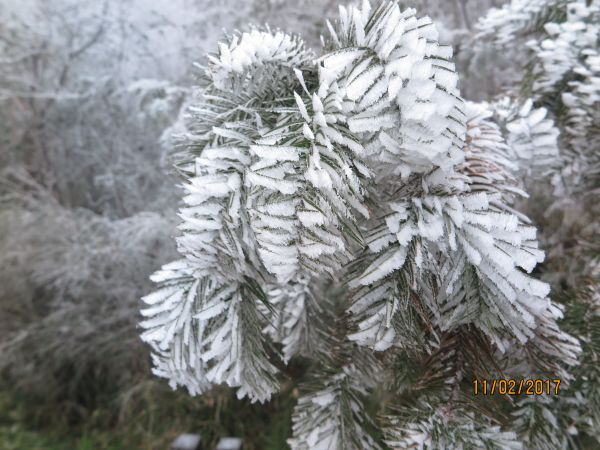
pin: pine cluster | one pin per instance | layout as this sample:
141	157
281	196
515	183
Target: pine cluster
562	78
351	208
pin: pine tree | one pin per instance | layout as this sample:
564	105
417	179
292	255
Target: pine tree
351	208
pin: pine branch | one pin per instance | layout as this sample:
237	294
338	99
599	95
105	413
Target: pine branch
357	182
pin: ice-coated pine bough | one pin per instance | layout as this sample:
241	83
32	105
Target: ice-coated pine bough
562	40
560	83
351	208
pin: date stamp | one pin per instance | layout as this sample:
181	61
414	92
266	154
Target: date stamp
516	387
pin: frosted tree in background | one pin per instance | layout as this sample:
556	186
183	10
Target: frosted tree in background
83	195
351	208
